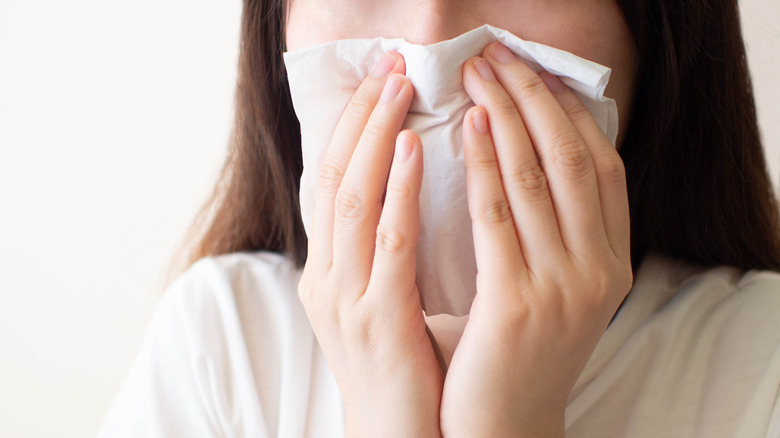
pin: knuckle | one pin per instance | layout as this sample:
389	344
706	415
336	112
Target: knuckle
390	241
600	280
627	282
398	190
495	211
349	204
505	109
576	110
304	291
314	299
484	161
330	176
372	132
611	166
607	286
529	85
598	291
531	181
364	328
516	317
617	278
571	155
360	105
515	311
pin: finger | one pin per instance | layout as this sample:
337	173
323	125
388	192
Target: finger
358	202
393	269
610	171
565	158
345	138
523	180
496	245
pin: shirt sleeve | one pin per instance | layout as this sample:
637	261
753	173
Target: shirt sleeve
765	403
180	384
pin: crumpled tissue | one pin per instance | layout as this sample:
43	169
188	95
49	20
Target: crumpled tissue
322	80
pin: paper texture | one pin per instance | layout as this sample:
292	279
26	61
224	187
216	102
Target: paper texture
324	78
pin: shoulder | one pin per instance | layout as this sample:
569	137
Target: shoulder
723	307
198	372
255	272
723	344
669	284
238	307
761	289
694	352
231	285
737	297
763	286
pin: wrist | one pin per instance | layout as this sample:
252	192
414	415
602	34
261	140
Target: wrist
511	424
389	425
404	418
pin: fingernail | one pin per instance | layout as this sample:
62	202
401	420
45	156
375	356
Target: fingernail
404	148
392	87
553	83
383	67
484	69
479	119
500	53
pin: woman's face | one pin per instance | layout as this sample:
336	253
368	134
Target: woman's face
591	29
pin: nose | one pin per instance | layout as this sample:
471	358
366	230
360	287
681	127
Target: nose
432	21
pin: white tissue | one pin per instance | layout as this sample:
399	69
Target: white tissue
324	78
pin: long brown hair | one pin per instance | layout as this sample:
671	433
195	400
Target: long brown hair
697	180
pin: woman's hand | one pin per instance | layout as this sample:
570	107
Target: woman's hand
547	197
358	285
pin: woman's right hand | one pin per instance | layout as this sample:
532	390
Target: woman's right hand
358	285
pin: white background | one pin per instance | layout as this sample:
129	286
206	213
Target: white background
114	119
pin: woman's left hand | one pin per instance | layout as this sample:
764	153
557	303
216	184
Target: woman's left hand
548	200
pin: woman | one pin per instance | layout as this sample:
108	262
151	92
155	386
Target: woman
559	340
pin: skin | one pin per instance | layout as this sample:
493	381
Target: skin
591	29
547	197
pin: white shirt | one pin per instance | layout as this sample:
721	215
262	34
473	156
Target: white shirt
693	352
